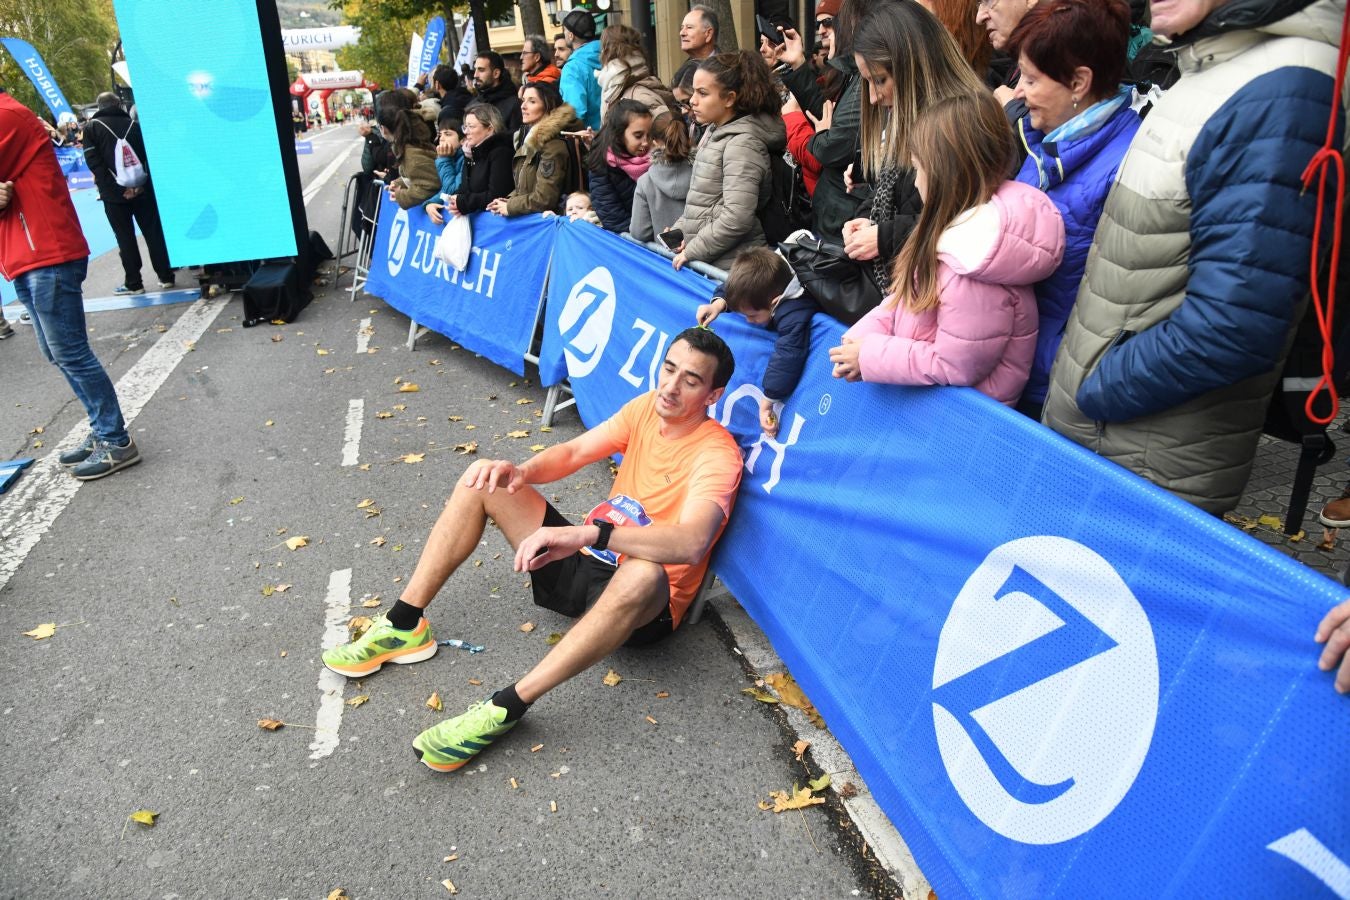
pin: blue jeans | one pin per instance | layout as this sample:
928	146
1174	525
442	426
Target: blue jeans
55	302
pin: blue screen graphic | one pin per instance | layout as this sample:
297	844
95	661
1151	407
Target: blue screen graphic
210	132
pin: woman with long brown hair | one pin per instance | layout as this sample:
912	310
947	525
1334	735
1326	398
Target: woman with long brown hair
962	310
908	61
625	73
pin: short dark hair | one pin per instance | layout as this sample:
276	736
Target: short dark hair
446	77
756	277
705	341
108	100
1061	35
449	120
709	19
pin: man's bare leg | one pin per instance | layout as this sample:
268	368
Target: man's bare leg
634	596
459	528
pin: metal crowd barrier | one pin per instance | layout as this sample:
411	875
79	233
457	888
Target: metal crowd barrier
351	242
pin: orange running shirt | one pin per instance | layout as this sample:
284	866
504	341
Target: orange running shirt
663	475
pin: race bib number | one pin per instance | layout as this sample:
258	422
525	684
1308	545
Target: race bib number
622	511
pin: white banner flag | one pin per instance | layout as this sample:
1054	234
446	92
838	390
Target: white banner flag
414	57
468	48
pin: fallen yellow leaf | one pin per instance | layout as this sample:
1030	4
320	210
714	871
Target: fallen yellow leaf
450	886
1270	521
553	639
612	678
650	719
358	625
536	748
144	816
792	695
411	458
43	631
819	784
800	798
553	806
400	406
434	701
799	748
269	423
544	428
295	543
761	696
451	858
524	401
519	433
283	588
270	724
321	352
268	590
336	894
379	541
537	447
364	467
382	414
527	627
408	388
456	418
236	501
358	700
467	448
364	503
661	695
371	603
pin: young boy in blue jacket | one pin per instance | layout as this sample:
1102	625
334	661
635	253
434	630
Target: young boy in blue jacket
762	287
449	163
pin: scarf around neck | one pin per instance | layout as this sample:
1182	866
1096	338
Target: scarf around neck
632	166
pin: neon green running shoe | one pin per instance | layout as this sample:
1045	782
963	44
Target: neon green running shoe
453	743
380	644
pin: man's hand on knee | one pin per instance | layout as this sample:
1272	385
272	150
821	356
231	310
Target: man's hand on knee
491	474
549	544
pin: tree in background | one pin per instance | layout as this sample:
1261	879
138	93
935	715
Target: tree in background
409	16
75	38
726	25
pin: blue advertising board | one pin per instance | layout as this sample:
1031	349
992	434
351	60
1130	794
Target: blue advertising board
491	306
1056	679
35	67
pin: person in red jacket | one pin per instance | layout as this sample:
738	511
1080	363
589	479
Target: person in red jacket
43	252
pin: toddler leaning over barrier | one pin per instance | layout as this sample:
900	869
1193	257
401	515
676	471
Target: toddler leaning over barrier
961	309
762	287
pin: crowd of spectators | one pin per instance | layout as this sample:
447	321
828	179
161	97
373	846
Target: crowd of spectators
1090	210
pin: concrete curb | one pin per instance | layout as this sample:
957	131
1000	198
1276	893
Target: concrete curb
875	828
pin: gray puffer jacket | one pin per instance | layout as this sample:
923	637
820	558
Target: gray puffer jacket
730	183
658	200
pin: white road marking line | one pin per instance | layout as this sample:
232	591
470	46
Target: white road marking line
318	184
30	508
351	439
363	336
331	684
1310	853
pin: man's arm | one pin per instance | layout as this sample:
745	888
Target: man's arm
548	466
683	543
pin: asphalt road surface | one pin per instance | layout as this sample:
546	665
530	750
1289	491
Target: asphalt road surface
169	652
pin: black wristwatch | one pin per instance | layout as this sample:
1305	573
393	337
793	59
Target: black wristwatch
605	529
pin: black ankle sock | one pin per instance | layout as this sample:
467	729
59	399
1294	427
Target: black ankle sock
404	616
509	700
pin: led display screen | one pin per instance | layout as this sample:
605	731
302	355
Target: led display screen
205	107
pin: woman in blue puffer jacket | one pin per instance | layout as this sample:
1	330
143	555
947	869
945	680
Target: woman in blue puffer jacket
1079	125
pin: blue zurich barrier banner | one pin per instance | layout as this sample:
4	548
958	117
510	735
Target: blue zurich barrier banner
491	306
1056	679
37	71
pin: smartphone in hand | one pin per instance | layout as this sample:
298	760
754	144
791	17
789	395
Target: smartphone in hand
672	238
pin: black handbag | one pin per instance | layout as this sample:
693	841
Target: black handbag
843	288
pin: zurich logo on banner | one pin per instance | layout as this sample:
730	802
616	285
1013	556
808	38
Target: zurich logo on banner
586	320
1044	618
431	45
399	230
37	71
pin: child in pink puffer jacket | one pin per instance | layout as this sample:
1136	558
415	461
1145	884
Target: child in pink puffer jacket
962	310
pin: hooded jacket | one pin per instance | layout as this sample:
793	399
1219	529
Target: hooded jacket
487	174
1199	267
728	186
578	84
1078	174
541	164
39	227
417	165
100	142
549	74
982	333
645	88
658	198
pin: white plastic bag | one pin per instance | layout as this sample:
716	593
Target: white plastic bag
454	243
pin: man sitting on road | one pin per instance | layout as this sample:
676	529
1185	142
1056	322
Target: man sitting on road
632	584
